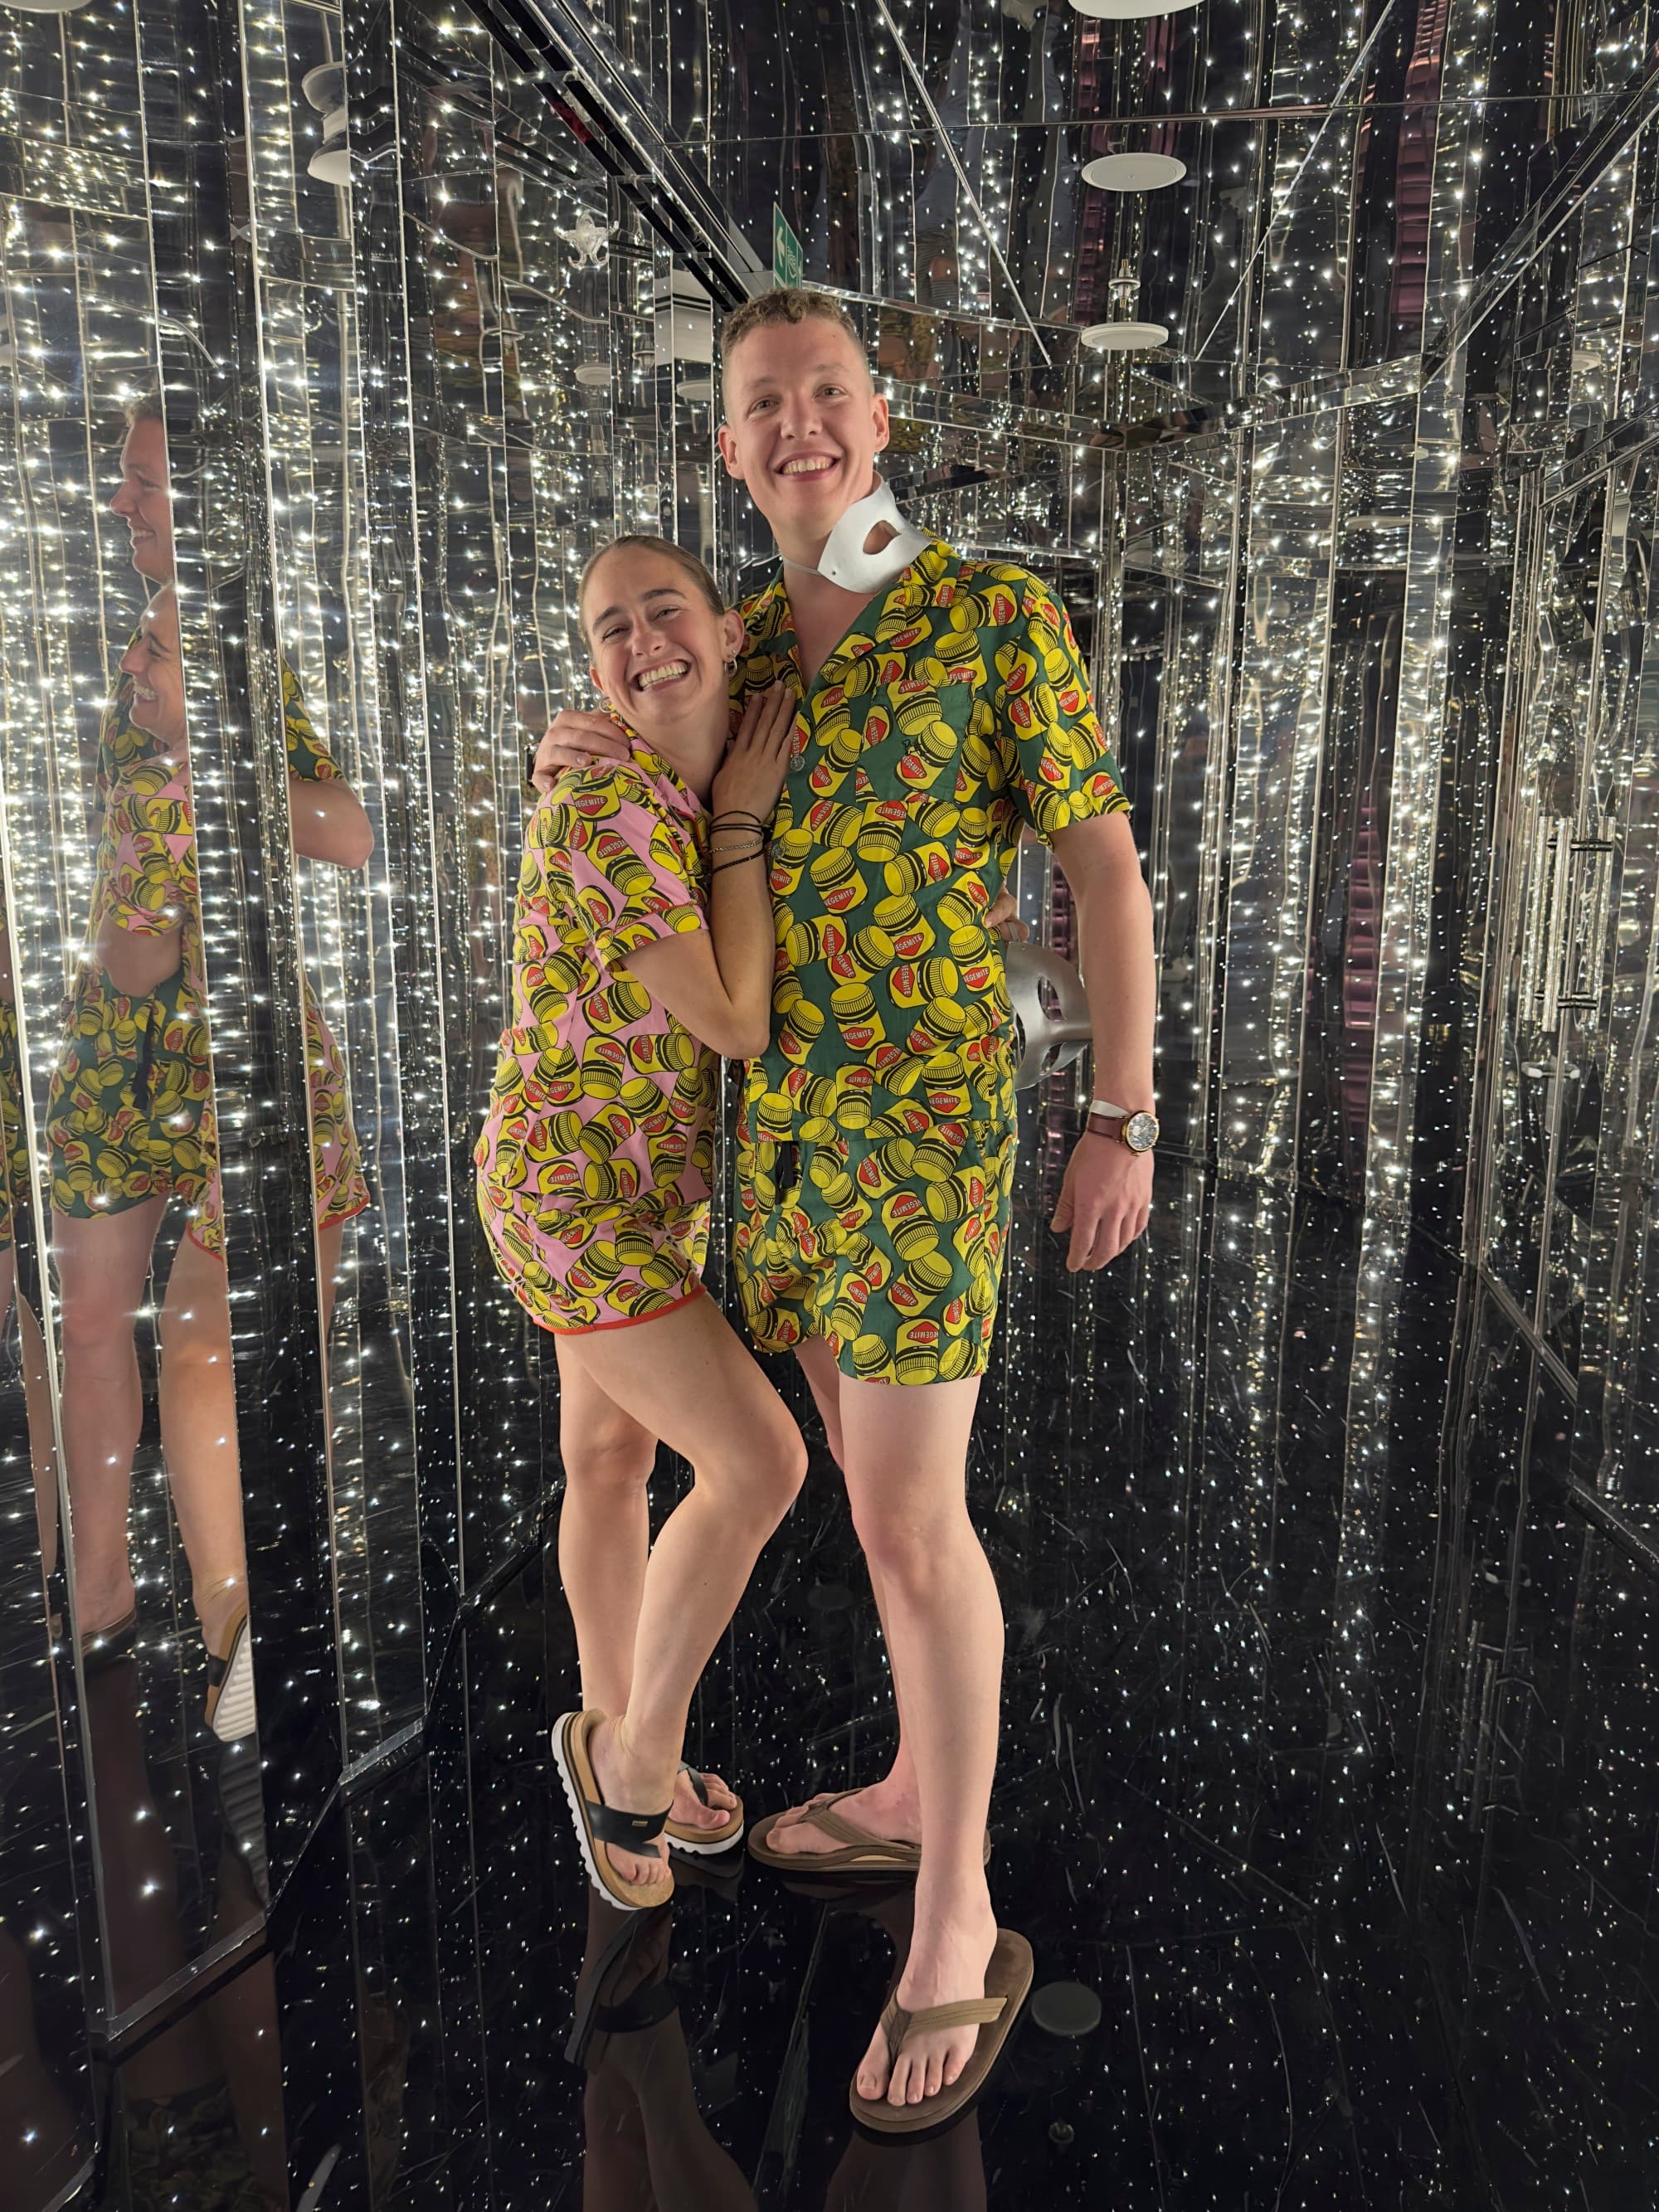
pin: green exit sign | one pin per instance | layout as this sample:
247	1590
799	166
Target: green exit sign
788	262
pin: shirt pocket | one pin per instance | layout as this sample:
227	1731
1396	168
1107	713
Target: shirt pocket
929	720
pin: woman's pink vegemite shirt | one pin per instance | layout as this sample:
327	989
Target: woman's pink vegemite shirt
595	1159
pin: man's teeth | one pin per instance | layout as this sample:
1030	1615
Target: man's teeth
670	672
813	468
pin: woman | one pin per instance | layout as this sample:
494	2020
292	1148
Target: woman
643	950
129	1125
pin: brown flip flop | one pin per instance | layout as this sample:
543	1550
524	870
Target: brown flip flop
858	1851
597	1823
1007	1985
701	1842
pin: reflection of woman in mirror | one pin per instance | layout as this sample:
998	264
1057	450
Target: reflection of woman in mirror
129	1125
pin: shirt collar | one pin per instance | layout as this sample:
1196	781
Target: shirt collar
914	588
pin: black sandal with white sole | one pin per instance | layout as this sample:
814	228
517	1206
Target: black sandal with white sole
597	1823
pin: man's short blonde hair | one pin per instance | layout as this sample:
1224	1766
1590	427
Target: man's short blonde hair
786	304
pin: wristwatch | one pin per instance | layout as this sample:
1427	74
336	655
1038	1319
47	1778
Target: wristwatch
1138	1131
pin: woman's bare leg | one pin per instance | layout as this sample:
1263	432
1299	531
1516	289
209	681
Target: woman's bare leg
198	1435
686	1378
604	1529
103	1267
605	1541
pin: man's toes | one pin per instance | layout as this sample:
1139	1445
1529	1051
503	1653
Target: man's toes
935	2076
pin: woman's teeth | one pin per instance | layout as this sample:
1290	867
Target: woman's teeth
807	468
670	672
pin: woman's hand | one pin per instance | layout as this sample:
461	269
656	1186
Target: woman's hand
752	775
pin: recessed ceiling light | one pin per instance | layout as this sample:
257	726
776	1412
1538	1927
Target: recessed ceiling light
594	375
1134	172
1130	11
1125	338
46	7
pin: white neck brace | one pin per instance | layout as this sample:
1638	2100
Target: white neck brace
844	560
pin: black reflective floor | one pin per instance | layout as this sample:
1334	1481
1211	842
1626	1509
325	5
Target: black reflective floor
1326	1803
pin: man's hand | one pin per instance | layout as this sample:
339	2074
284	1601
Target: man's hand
1002	918
1106	1200
575	738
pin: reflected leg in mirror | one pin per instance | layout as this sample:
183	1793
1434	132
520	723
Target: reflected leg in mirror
246	2030
37	2121
188	2136
648	2149
199	1437
15	1180
103	1269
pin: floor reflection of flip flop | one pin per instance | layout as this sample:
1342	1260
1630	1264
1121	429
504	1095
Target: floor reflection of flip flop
940	2170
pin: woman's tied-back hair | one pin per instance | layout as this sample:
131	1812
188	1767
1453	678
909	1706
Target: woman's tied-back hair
636	540
785	303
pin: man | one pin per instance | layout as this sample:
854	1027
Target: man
942	709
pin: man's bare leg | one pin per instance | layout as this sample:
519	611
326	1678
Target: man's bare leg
906	1460
892	1807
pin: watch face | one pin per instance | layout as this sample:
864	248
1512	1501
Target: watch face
1140	1132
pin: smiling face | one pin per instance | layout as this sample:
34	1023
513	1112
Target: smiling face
153	662
145	503
659	649
804	425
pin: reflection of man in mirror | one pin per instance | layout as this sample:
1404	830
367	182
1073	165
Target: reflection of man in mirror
129	1125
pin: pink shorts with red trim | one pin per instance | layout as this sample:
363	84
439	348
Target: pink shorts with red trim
578	1270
